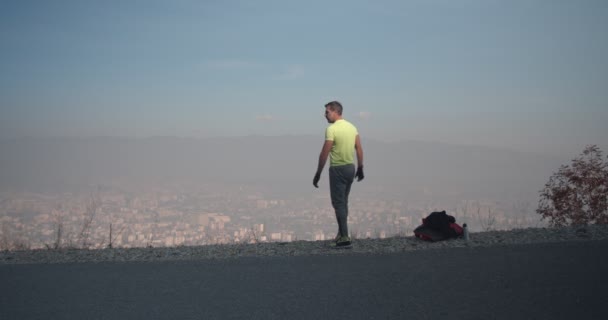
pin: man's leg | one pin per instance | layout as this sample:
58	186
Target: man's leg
336	189
349	183
340	181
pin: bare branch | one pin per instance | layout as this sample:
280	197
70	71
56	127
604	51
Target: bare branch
577	194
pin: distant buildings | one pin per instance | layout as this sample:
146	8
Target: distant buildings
171	219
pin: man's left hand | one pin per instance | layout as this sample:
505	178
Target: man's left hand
360	176
315	180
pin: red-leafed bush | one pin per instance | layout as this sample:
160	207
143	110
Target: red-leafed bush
577	194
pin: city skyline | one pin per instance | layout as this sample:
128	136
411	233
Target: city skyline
171	187
112	218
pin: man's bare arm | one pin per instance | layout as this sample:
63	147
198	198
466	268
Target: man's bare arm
359	174
322	159
324	155
359	150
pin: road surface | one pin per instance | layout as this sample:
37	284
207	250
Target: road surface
540	281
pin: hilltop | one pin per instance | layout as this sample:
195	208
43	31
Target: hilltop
304	248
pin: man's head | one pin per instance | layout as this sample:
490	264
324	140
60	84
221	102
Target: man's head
333	111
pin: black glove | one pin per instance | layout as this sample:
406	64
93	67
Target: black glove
359	175
315	180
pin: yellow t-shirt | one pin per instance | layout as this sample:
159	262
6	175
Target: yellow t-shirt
343	134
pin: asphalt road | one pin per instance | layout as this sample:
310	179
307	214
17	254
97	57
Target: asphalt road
543	281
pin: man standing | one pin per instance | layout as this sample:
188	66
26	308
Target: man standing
341	141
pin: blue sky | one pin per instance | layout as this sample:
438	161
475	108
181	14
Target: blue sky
527	75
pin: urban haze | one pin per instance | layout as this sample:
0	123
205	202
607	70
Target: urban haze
167	191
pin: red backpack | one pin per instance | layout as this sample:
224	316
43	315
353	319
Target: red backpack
438	226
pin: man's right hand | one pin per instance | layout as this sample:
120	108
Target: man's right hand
315	180
359	175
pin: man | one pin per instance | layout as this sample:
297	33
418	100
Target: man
341	141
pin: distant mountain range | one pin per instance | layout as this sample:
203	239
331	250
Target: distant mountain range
282	161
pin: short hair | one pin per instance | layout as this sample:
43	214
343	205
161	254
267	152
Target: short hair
334	106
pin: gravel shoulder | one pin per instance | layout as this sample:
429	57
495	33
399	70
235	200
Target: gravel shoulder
304	248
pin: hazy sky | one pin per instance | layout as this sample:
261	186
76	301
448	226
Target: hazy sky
528	74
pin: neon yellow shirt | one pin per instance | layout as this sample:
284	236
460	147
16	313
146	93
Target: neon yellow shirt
343	134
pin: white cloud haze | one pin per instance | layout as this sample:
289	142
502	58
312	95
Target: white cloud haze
364	115
265	118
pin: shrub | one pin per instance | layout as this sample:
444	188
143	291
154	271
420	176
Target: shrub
577	194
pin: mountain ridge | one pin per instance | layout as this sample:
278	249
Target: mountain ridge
29	163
